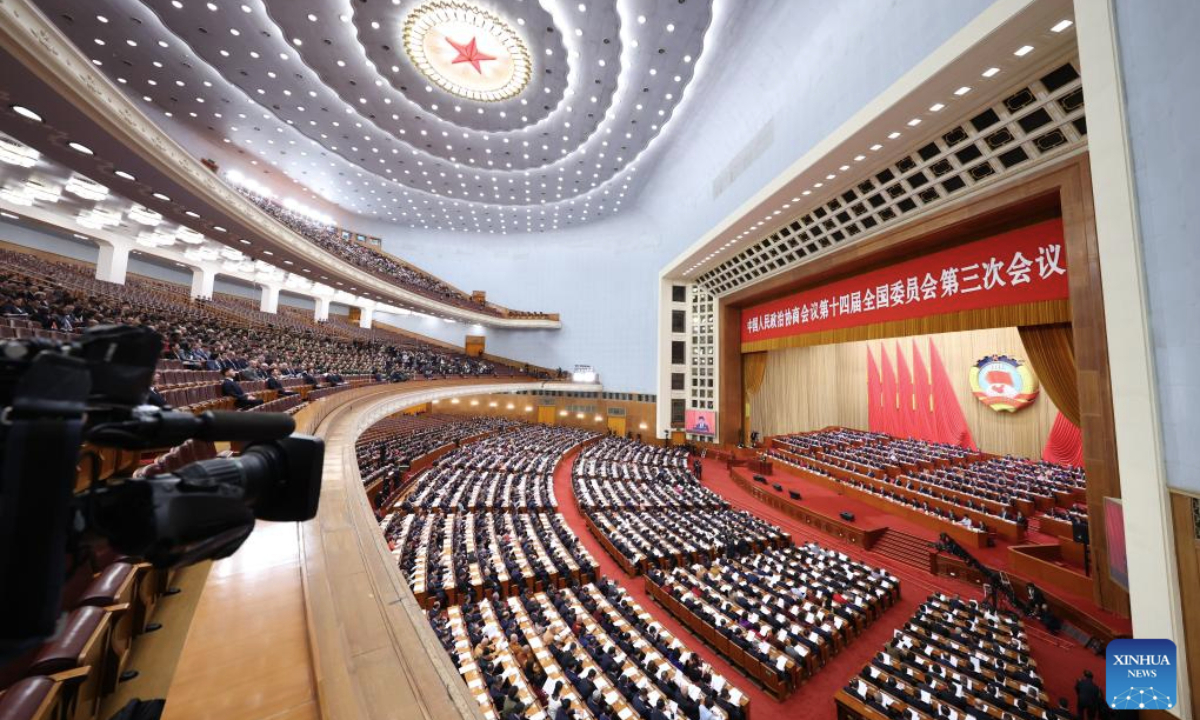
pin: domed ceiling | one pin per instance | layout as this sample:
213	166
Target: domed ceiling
485	116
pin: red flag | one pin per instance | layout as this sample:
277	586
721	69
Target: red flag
904	398
874	394
889	414
1064	444
923	396
951	424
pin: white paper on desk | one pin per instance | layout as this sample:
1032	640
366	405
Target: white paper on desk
625	713
958	690
643	683
735	695
764	648
887	701
611	698
862	689
601	682
913	714
926	697
781	662
839	622
694	692
875	673
476	683
810	618
953	714
718	682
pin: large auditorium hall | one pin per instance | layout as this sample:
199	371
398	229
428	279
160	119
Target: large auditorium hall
599	360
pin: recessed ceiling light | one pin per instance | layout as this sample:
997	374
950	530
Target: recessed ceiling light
641	19
936	107
1023	50
160	196
991	72
77	147
244	241
876	147
914	122
893	136
1061	25
962	91
26	113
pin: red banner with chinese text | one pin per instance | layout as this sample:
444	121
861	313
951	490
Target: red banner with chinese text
1022	266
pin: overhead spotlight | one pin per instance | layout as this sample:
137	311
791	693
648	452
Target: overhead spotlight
26	113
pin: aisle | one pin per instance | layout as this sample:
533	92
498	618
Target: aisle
761	704
813	701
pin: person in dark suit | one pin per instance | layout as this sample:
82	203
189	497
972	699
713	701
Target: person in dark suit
275	383
153	397
1087	697
310	378
230	387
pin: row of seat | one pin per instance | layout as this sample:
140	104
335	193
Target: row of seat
67	677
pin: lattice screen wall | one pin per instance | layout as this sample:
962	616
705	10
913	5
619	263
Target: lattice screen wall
1031	124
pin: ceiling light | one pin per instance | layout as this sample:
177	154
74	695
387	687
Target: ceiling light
86	188
1023	50
893	136
641	19
160	196
876	147
26	113
936	107
15	153
124	175
991	72
914	122
1061	25
77	147
962	91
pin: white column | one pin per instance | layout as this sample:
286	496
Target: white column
202	282
269	298
367	316
1149	540
322	308
113	261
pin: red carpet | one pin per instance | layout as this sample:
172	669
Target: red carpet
1059	660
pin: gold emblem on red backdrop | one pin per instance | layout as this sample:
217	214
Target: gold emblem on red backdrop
1003	383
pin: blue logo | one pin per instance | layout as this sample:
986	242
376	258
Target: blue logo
1140	674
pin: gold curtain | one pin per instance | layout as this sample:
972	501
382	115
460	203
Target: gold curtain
1051	351
754	369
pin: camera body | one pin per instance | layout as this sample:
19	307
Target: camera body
53	399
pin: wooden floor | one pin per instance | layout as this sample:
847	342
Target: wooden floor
263	668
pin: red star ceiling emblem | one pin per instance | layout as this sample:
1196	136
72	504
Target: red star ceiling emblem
468	53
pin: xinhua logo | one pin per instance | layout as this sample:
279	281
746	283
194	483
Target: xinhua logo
1140	675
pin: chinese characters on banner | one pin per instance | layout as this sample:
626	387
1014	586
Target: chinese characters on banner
1021	266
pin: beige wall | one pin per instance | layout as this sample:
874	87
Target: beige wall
813	387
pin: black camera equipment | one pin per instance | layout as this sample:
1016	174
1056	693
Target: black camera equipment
54	398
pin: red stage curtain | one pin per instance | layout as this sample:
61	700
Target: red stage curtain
1065	443
904	393
874	394
951	424
923	395
888	415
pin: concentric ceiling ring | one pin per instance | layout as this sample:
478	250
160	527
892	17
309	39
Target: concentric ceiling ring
467	51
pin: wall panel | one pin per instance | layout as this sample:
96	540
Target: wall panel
808	388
